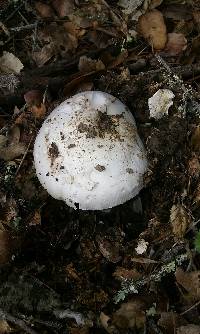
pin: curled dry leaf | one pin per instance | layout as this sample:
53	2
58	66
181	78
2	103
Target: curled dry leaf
185	278
42	56
87	65
10	64
176	43
33	100
104	320
188	329
152	27
63	7
180	220
35	219
44	10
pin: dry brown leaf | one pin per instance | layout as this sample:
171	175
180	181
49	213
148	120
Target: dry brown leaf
152	27
63	7
123	274
180	220
176	43
104	320
190	281
188	329
119	59
35	219
177	12
11	152
4	327
38	111
10	64
110	250
194	166
44	55
33	97
170	321
130	315
43	9
87	64
195	139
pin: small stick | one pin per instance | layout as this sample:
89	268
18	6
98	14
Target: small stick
24	156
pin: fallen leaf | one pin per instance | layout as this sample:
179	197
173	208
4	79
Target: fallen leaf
177	12
63	7
129	6
42	56
11	152
10	64
188	329
35	219
87	64
108	249
170	321
185	279
118	60
176	43
152	27
180	220
131	315
126	274
104	320
4	327
33	97
44	10
194	166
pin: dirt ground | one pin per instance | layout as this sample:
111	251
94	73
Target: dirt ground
134	268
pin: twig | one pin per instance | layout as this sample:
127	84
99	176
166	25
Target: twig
6	316
24	156
191	308
25	27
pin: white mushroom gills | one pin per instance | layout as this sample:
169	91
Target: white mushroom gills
88	152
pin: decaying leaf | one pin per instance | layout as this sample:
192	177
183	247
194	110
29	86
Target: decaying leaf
190	281
123	274
4	327
160	103
10	64
43	9
176	43
42	56
12	148
110	250
188	329
35	219
104	320
152	27
195	139
130	315
33	100
87	65
170	321
129	6
180	220
194	166
63	7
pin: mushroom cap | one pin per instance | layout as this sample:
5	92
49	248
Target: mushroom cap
88	152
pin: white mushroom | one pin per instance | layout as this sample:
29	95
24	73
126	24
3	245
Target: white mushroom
88	152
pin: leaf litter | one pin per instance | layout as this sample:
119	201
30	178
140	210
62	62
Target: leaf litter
136	267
